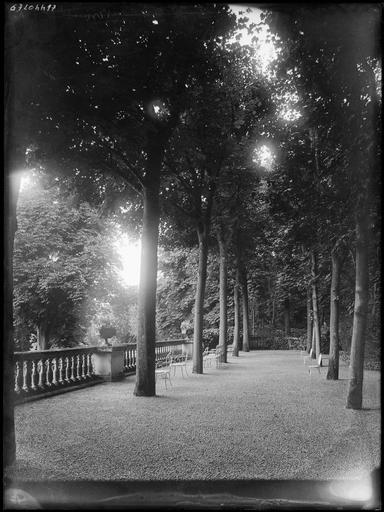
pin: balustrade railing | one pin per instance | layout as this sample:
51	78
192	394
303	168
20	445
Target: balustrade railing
43	371
47	370
162	348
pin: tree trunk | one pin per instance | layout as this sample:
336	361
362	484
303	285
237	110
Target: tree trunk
254	319
313	343
273	320
197	359
244	290
333	365
223	297
309	319
11	191
14	163
236	327
374	298
146	336
287	325
269	302
43	336
316	320
356	368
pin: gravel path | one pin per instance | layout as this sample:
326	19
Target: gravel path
260	417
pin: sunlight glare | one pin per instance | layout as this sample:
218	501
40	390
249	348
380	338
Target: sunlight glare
129	252
264	157
266	49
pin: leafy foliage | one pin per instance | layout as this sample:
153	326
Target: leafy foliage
62	256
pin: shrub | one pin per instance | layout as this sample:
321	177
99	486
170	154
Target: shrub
210	338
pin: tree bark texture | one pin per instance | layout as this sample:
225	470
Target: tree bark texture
197	357
13	164
11	190
333	365
309	319
316	320
356	368
223	328
244	293
146	336
287	324
254	315
43	336
236	327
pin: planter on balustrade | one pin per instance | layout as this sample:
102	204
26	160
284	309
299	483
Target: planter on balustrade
109	362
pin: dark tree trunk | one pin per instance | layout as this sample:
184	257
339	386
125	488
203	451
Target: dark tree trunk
197	358
146	336
11	190
356	368
316	320
273	319
287	324
309	319
254	313
14	163
244	292
270	303
43	336
374	298
236	327
333	365
223	297
313	344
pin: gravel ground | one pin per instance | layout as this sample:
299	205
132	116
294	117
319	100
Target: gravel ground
260	417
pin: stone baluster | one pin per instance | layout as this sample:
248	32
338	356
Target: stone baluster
78	364
133	359
89	366
33	376
83	362
54	371
17	377
73	363
40	369
48	373
25	377
67	378
60	368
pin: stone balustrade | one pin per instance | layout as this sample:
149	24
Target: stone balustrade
53	371
43	371
162	348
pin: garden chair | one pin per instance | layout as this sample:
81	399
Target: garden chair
219	353
308	356
208	357
229	349
317	365
180	363
163	370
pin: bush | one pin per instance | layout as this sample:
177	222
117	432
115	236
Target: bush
210	338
